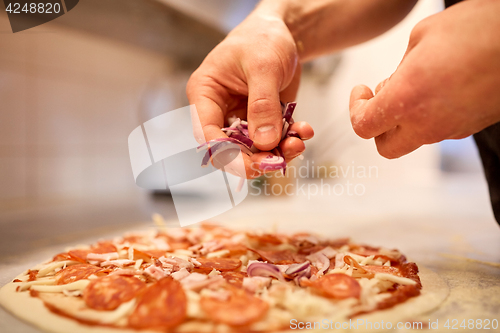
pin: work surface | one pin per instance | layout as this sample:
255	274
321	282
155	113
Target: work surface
447	228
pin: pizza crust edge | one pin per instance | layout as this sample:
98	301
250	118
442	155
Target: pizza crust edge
32	310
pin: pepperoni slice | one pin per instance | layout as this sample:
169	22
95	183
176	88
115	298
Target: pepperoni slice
364	250
280	257
155	253
336	243
103	247
80	255
76	272
410	271
382	269
107	293
61	257
235	250
179	245
265	239
240	309
163	305
220	264
338	286
401	294
234	278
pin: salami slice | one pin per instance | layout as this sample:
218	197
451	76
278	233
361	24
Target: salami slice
401	294
338	286
234	278
220	264
61	257
109	292
76	272
239	310
264	239
178	245
163	305
382	269
235	250
103	247
280	257
81	254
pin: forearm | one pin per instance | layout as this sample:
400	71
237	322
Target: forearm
323	26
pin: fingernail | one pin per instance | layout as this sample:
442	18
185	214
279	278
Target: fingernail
265	135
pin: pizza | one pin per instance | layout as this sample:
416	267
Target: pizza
216	279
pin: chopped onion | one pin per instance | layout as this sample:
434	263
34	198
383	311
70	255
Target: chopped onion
243	139
297	268
292	134
272	162
319	260
238	133
305	274
265	270
220	147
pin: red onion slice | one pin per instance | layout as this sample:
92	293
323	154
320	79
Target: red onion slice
297	268
244	131
265	270
319	260
292	134
216	149
243	139
238	133
288	111
272	163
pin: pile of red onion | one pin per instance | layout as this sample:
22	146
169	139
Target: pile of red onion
237	133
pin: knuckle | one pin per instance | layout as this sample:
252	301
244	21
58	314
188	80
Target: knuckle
360	129
386	152
261	107
420	29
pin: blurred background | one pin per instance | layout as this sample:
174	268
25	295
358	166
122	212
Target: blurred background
72	90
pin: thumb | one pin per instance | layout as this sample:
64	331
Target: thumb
264	110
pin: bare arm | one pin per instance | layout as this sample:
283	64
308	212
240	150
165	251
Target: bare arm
323	26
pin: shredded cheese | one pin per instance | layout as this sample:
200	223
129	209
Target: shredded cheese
45	270
138	263
218	254
395	279
42	281
77	285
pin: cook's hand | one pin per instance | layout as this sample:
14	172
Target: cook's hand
446	86
247	75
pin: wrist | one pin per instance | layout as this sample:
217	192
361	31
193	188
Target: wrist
287	12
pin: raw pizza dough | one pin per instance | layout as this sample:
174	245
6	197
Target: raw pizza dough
33	310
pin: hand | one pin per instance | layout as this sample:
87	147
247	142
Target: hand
446	86
247	75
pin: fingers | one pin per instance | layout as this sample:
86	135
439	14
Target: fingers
209	117
370	116
396	143
304	130
264	109
291	148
